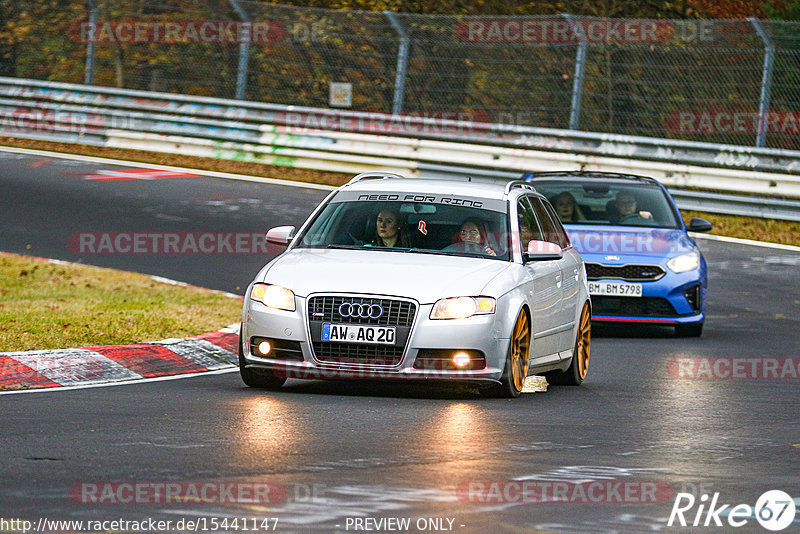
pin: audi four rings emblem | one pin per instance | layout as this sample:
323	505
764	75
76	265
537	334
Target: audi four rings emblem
361	311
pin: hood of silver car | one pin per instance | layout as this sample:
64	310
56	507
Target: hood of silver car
424	277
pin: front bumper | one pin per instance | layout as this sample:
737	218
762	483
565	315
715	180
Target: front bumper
676	298
477	335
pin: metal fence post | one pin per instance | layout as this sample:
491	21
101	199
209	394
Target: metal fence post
766	82
577	82
88	76
244	49
402	62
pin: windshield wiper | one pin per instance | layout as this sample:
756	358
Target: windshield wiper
345	247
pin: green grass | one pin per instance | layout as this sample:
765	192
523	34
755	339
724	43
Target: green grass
48	306
771	230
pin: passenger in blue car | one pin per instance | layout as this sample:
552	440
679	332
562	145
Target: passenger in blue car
567	208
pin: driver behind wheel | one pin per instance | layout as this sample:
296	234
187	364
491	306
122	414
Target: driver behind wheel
626	206
473	230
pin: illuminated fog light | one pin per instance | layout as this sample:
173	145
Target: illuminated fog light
264	347
461	359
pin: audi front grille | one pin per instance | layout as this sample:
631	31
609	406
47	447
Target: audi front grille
339	309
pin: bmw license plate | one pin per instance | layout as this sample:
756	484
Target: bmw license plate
616	289
352	333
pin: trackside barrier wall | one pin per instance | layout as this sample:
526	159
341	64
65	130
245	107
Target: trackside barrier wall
347	141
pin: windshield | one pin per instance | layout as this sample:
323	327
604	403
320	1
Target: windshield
618	204
426	224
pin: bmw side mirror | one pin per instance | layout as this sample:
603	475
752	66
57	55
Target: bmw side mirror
542	251
280	235
696	224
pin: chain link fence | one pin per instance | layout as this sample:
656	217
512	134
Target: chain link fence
718	81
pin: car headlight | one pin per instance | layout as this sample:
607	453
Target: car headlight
273	296
462	307
684	262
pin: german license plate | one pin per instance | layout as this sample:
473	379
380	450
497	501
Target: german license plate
352	333
616	289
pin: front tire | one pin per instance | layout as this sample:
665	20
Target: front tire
265	379
516	368
579	366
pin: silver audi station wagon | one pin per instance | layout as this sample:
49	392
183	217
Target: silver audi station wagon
441	280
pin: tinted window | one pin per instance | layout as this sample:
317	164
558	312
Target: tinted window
417	227
609	203
551	232
528	227
563	237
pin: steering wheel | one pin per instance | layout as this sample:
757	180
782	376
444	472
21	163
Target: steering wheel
465	246
355	241
632	217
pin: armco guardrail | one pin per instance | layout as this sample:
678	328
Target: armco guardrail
349	141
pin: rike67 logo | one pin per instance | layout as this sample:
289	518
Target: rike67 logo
774	510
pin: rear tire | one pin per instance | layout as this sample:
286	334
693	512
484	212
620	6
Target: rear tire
516	369
689	330
265	379
579	366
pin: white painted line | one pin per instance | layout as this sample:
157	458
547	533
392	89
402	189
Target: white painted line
124	383
169	281
749	242
139	164
172	282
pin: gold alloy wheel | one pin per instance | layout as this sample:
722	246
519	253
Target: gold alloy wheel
584	343
520	344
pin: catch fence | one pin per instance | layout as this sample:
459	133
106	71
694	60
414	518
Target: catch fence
715	81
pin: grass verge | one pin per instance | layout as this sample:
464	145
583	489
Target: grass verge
47	305
770	230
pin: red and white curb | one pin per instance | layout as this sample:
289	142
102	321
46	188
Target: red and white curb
212	351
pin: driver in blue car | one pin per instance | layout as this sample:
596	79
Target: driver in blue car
626	207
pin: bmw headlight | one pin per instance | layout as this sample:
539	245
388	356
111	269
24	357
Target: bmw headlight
684	262
462	307
273	296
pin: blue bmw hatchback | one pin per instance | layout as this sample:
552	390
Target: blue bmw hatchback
641	264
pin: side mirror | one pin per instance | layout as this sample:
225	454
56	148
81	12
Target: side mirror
280	235
696	224
542	251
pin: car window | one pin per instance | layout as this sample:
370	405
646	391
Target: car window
609	203
435	224
528	226
549	230
561	233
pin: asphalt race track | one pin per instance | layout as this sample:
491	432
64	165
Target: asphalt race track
334	453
